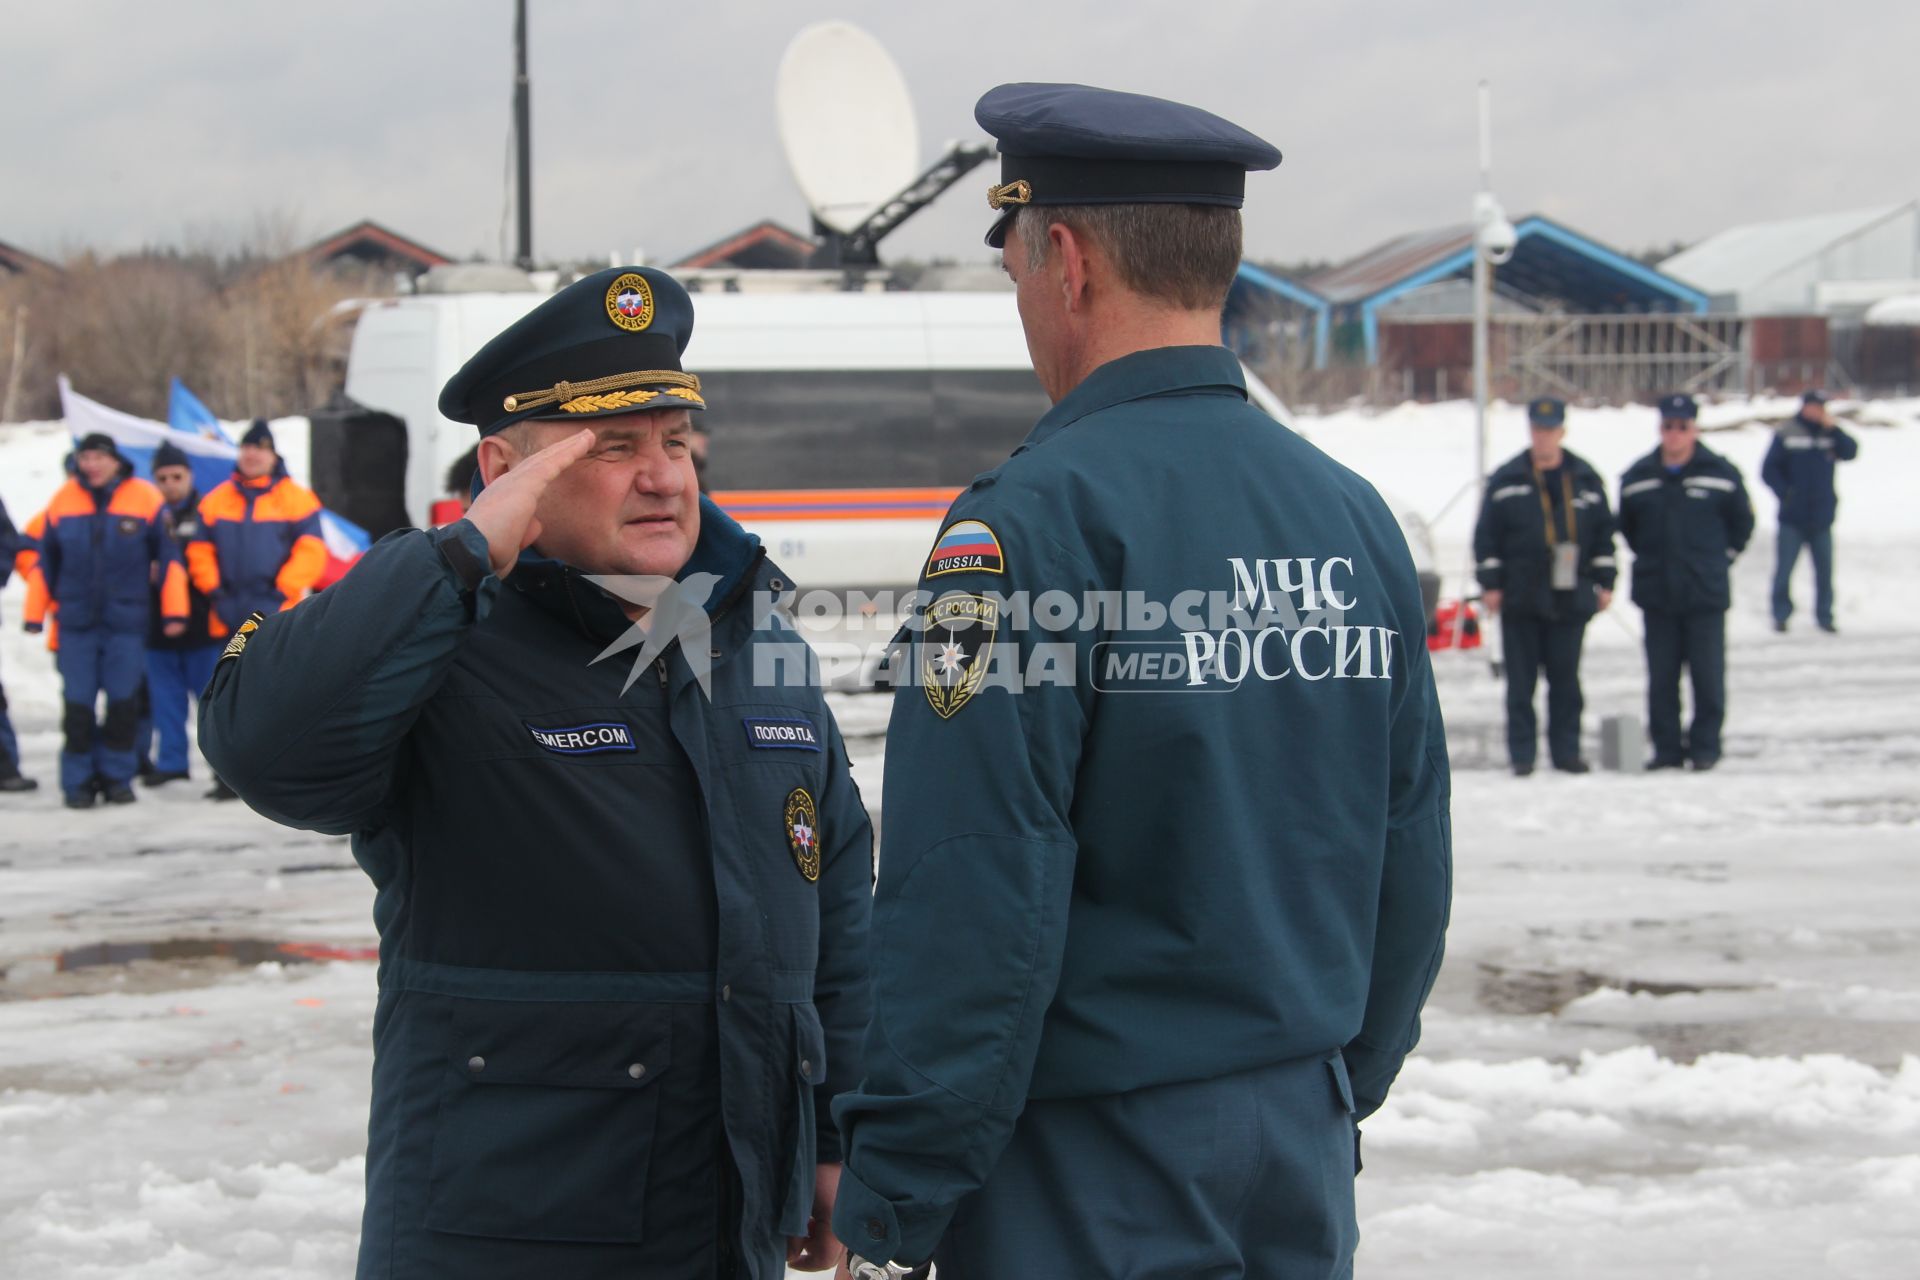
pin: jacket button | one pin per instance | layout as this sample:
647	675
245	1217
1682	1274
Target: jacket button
726	993
637	1070
876	1229
806	1067
476	1064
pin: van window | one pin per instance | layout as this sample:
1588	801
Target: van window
840	429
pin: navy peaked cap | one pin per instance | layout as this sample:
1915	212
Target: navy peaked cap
1547	411
1073	144
1679	407
608	343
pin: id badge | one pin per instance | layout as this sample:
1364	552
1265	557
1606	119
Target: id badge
1566	566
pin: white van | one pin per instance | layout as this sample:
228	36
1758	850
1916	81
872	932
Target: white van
841	425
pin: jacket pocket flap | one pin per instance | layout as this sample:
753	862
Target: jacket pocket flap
576	1044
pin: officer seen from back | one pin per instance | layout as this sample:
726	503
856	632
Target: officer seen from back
1543	551
622	905
1146	949
1685	513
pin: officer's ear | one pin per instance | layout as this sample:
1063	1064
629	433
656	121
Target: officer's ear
1071	251
497	455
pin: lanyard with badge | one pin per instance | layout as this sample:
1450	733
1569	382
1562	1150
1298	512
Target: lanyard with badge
1566	555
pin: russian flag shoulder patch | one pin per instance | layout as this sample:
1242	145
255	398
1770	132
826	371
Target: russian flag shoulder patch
966	546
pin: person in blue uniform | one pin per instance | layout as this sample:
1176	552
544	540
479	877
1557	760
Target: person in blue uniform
177	666
1684	512
12	542
1166	867
622	904
1799	469
104	549
1543	552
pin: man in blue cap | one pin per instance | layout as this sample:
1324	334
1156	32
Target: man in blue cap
622	905
1685	513
1167	845
1799	470
178	666
1543	553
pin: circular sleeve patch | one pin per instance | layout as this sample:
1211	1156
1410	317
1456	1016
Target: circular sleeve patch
802	821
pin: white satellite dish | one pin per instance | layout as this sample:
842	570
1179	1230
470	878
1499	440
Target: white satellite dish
847	123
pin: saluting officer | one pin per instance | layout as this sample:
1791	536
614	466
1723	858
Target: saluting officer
1145	949
1685	513
1544	556
622	929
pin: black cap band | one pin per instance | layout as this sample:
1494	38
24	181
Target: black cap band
1073	180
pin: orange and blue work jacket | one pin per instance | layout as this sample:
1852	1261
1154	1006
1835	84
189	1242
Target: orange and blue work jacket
39	610
258	549
100	552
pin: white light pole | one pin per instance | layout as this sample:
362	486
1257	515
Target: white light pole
1493	241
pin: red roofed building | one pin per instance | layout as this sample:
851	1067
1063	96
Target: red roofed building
17	262
367	245
766	245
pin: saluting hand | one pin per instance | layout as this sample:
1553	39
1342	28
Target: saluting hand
1603	598
503	513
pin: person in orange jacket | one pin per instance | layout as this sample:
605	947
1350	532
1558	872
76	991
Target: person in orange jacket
105	544
258	549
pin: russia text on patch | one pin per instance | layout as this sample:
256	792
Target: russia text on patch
967	546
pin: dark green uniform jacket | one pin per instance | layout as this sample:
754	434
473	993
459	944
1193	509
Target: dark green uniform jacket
1513	553
1218	843
616	929
1685	528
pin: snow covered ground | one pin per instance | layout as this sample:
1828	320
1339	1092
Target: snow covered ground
1678	1032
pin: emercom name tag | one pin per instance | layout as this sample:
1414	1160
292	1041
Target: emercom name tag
584	739
771	734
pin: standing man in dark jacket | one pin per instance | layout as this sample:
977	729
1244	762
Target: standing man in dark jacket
12	541
177	665
1543	551
1799	470
105	547
1684	510
1167	849
622	905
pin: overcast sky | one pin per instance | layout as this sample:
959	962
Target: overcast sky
126	122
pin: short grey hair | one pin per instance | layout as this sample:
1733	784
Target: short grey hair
1185	255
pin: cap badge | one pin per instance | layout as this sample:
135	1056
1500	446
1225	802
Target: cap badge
999	195
630	302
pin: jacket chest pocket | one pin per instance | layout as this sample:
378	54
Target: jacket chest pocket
546	1120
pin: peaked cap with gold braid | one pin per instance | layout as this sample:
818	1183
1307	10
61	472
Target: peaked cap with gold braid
608	343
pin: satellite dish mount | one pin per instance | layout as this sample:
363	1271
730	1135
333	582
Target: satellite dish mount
848	126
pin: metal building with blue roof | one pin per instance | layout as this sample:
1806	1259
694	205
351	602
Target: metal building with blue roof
1553	267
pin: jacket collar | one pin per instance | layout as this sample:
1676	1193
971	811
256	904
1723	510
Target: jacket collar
265	482
1139	375
724	549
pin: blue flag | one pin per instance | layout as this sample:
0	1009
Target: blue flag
186	413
